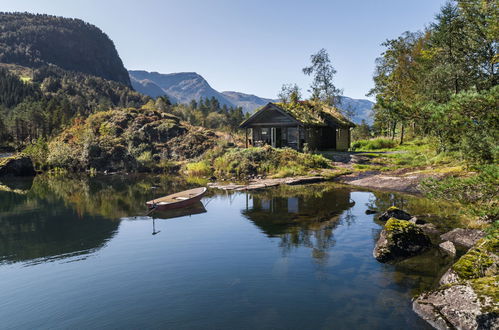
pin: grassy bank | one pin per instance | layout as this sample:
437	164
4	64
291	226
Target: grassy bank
243	163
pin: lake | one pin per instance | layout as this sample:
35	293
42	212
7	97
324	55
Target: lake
79	252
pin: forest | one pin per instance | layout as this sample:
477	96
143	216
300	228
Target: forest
442	82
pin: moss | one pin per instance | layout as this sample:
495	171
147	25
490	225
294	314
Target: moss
487	287
395	225
473	264
393	208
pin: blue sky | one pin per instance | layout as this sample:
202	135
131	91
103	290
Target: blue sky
248	46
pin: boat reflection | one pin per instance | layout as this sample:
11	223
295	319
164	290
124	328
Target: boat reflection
196	208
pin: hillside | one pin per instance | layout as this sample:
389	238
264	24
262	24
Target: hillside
180	87
248	102
34	40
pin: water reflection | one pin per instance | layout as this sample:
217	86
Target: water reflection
246	256
300	217
51	218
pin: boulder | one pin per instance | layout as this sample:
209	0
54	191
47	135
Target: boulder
19	165
459	306
463	237
394	212
400	239
448	248
368	211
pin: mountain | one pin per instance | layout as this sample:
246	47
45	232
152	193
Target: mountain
248	102
35	40
360	109
183	87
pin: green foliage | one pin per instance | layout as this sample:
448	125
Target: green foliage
322	87
210	113
201	168
265	161
468	123
443	82
480	191
373	144
38	152
36	40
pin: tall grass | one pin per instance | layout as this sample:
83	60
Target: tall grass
373	144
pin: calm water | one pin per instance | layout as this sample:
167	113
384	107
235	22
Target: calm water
79	253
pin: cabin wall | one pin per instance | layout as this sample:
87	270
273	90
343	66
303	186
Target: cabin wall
343	139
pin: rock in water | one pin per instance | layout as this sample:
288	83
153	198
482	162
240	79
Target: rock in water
448	247
394	212
19	165
463	237
458	306
371	211
400	239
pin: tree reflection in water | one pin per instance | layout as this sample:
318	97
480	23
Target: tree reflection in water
52	218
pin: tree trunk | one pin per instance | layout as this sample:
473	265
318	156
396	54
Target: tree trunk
402	134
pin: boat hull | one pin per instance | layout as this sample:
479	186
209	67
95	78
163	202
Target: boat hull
157	204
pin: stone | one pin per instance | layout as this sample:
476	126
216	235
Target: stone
19	165
371	211
400	239
448	248
394	212
449	277
429	229
464	237
457	307
417	221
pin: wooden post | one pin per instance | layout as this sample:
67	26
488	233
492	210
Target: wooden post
299	142
246	131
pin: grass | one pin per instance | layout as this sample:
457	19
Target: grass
263	161
201	168
373	144
25	79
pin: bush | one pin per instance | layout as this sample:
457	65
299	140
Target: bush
374	144
38	152
267	161
201	168
480	192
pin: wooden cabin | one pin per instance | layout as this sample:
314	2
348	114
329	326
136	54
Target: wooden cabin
294	124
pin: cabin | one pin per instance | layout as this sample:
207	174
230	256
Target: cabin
292	125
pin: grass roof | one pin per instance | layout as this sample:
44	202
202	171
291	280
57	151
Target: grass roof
315	113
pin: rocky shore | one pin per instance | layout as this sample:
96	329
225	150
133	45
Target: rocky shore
468	293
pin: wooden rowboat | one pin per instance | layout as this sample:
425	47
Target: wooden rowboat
177	200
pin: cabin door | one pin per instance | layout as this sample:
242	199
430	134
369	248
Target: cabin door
276	137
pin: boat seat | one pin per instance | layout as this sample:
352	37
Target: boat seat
181	198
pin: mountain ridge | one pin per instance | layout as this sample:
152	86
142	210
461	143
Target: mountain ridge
182	87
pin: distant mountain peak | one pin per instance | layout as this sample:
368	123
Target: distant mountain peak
182	87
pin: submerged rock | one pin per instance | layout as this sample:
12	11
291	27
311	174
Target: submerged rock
19	165
394	212
400	239
448	248
463	237
460	306
368	211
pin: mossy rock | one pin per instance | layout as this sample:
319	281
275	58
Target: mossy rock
479	261
400	239
17	165
394	212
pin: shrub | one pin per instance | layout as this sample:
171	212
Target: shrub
374	144
267	161
201	168
38	152
480	192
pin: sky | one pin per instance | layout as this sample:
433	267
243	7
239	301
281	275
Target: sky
252	46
